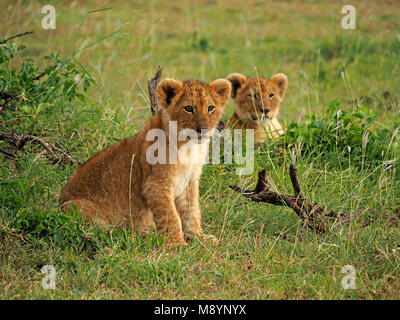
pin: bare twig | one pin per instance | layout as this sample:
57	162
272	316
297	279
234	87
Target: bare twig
39	76
20	141
311	214
16	36
262	182
7	154
295	180
152	86
42	74
7	95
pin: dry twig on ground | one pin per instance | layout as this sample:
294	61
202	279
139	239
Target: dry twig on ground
312	215
20	141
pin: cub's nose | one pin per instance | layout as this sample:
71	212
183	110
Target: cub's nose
265	111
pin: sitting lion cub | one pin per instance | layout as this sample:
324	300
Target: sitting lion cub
257	102
120	187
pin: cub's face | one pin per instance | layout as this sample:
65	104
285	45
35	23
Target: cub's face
257	98
194	104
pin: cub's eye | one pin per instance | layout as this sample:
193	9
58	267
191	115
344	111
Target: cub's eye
189	109
271	95
211	109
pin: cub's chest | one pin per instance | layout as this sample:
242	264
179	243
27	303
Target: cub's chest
184	177
191	160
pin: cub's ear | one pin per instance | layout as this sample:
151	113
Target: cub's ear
222	88
281	81
168	91
237	80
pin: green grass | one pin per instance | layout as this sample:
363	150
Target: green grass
206	40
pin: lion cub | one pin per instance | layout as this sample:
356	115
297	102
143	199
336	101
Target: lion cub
122	187
257	102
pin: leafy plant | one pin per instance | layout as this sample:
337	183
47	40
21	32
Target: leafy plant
38	91
38	95
342	135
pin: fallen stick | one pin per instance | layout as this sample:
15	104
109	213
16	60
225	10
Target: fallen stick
312	215
20	141
152	84
8	154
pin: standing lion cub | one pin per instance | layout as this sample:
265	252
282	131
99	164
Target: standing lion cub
122	187
257	102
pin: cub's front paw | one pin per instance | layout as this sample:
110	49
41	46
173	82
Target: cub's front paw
173	242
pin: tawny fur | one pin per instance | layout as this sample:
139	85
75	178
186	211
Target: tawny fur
257	103
118	187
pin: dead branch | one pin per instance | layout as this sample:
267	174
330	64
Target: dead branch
16	36
312	215
295	180
42	74
7	95
152	87
8	154
20	141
